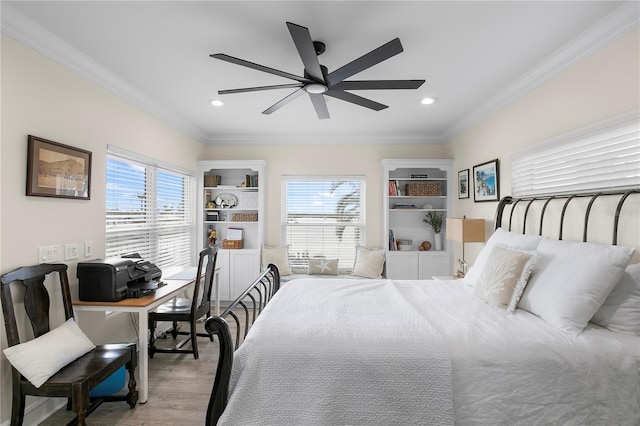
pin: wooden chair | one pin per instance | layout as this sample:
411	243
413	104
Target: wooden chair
75	380
187	310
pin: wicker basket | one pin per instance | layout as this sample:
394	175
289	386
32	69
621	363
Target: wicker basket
422	189
244	217
232	244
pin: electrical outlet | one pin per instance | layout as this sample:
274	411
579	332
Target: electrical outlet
48	254
71	251
88	249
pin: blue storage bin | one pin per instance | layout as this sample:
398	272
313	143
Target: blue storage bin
111	384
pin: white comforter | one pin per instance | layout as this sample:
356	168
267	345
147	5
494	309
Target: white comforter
337	352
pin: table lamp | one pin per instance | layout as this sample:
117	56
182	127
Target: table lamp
465	231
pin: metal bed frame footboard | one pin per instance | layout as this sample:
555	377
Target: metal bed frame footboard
251	302
528	202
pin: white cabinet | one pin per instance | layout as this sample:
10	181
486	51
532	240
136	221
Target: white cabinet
230	199
411	188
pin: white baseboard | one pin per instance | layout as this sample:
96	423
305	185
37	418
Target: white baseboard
41	409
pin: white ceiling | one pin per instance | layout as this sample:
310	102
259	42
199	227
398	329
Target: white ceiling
475	57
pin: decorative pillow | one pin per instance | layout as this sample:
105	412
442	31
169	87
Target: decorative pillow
277	255
571	280
41	358
621	310
504	277
505	238
322	266
369	262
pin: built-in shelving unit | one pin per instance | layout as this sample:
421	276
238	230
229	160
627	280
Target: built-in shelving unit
231	199
411	189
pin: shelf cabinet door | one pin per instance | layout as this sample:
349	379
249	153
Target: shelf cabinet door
402	265
433	263
244	267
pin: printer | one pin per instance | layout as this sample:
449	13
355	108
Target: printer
114	279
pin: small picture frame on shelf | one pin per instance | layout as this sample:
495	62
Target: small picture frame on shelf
486	181
463	184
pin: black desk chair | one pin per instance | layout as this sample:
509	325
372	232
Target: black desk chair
75	380
187	310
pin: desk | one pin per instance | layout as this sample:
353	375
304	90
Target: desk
140	306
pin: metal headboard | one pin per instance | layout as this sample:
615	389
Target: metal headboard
529	201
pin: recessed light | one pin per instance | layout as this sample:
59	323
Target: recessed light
216	102
428	101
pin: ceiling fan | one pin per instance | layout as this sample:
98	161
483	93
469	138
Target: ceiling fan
318	81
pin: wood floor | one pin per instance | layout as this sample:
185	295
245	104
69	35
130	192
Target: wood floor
179	390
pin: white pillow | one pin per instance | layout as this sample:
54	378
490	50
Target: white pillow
504	277
322	266
277	255
571	280
505	238
41	358
621	310
369	262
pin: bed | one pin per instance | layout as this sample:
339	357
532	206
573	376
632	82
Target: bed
556	342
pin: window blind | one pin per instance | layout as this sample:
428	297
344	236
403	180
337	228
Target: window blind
599	157
323	217
149	211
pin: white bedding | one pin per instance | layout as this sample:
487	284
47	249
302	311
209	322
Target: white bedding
358	354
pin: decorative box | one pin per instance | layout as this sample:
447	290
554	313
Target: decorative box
232	244
422	189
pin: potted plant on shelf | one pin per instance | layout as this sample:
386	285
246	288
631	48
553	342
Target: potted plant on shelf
435	220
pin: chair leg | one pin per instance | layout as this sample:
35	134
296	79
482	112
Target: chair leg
132	396
17	407
152	338
174	330
194	338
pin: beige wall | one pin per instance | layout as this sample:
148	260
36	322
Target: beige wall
601	86
42	98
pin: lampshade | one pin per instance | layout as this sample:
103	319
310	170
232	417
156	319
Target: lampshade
465	230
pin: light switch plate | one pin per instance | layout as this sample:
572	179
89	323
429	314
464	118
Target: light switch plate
71	251
48	254
88	249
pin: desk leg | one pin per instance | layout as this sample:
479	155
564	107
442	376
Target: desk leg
143	356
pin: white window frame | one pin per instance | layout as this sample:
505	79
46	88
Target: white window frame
346	262
602	156
182	250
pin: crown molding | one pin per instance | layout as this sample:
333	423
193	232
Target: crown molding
33	35
324	138
616	24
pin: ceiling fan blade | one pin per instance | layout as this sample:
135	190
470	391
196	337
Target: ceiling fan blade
258	67
378	84
256	89
320	104
368	60
302	39
282	102
355	99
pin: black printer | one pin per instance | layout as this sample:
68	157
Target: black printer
114	279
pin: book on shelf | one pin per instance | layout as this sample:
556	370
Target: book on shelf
419	176
394	188
393	246
251	181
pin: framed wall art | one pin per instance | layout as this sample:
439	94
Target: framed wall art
57	170
486	181
463	183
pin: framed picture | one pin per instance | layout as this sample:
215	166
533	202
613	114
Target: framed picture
57	170
486	181
463	183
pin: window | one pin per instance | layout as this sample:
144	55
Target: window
323	216
149	210
599	157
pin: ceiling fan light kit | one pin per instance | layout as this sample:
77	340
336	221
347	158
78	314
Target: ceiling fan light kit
318	82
